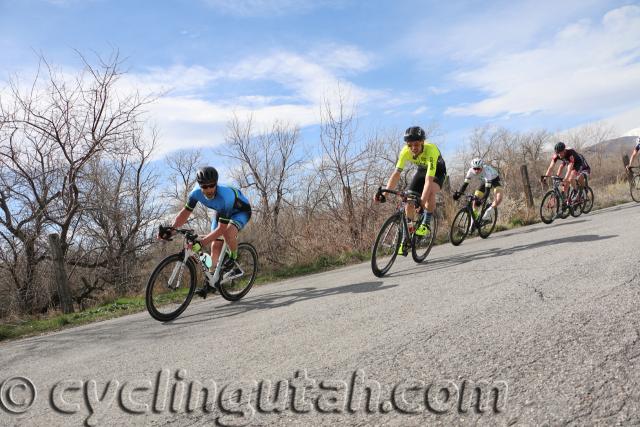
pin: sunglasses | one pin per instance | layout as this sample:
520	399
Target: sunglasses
477	169
207	186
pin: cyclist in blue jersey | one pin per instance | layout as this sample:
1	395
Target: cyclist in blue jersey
634	153
233	212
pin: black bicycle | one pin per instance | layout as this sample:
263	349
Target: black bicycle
396	236
554	204
465	222
634	183
173	282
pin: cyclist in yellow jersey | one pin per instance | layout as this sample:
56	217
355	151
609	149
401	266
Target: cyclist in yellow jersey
427	180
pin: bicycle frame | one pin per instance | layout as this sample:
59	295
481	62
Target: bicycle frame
470	199
405	198
212	278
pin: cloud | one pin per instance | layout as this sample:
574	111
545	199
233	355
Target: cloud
419	110
468	33
586	67
250	8
196	104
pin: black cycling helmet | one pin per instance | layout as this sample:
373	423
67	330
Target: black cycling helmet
559	147
414	133
207	175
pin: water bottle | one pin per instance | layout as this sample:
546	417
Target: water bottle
206	259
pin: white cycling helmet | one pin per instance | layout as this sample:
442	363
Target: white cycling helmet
477	163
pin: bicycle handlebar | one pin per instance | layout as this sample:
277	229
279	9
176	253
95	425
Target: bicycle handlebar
187	232
405	195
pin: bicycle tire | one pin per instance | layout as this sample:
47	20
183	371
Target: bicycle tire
482	231
155	302
634	188
563	213
552	202
461	223
588	200
576	209
394	245
417	240
235	289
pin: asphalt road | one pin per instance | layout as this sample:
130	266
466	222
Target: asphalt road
547	316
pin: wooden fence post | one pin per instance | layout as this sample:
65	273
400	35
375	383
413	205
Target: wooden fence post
62	283
527	186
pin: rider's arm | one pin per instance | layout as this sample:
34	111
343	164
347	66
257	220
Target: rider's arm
553	162
395	176
181	218
394	179
467	180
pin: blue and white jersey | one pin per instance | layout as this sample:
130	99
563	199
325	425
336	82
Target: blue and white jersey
227	201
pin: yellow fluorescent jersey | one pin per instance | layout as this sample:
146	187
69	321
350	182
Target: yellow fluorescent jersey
428	159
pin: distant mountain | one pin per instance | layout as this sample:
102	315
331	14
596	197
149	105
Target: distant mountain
613	147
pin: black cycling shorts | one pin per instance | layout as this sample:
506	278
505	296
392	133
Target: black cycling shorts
417	182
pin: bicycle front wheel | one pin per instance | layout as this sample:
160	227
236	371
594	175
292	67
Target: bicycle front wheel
240	279
634	185
170	287
385	249
489	224
460	227
421	245
549	207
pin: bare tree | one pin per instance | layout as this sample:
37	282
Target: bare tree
267	162
120	213
63	123
341	157
183	165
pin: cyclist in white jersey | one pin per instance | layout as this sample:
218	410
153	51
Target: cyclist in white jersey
489	178
634	153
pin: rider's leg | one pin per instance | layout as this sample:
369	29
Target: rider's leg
479	193
416	185
497	197
431	188
216	245
237	223
216	248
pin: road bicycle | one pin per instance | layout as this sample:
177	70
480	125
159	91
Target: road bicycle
465	222
396	232
172	283
634	183
554	204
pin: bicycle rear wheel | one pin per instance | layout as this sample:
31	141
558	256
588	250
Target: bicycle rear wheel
170	287
576	208
587	204
460	227
549	207
421	245
634	185
385	249
488	225
240	279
